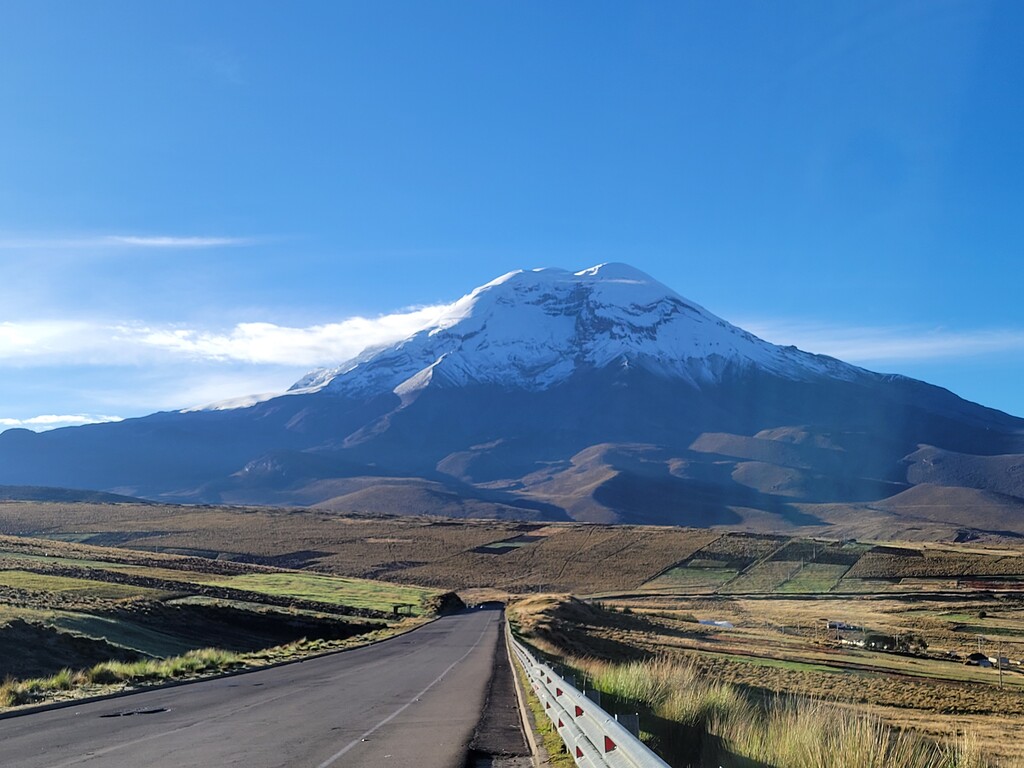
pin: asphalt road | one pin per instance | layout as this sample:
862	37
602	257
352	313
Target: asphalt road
410	702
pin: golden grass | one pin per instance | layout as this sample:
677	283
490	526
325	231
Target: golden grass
772	671
198	662
733	729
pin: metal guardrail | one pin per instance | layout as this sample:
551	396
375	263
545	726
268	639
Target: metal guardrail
592	736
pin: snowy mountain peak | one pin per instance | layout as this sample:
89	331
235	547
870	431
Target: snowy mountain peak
616	270
532	329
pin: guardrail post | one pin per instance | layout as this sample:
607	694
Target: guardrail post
631	722
593	695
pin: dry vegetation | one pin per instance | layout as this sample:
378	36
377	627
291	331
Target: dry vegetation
781	647
426	551
74	617
513	556
698	720
777	591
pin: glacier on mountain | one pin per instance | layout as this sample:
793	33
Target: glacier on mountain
533	329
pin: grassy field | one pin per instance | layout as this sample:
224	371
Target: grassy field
183	575
765	576
35	582
781	645
814	577
336	590
516	557
694	719
692	578
68	606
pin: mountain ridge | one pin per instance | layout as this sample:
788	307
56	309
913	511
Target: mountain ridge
532	329
600	395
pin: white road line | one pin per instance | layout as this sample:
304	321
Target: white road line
358	740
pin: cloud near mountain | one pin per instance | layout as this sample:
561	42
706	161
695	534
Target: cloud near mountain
598	395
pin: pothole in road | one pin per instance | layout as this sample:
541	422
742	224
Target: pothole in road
130	712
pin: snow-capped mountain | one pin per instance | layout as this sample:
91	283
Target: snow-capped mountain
534	329
594	395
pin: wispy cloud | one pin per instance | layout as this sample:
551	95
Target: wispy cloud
163	241
53	421
138	368
62	342
880	344
49	343
122	241
267	343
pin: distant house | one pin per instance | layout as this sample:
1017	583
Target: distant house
978	659
842	625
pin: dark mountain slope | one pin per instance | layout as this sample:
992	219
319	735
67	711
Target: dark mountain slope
600	395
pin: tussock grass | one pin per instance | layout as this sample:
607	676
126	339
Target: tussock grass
9	693
808	732
206	660
694	720
966	752
148	670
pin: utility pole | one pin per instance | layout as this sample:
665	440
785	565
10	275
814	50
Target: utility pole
999	661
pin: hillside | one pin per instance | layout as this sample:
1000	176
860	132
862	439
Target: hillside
599	396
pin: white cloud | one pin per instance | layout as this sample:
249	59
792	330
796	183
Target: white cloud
60	342
176	242
47	340
53	421
122	241
874	344
267	343
63	342
95	368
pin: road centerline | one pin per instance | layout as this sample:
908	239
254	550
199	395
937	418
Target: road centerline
359	739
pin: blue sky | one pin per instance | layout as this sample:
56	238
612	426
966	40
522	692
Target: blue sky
205	199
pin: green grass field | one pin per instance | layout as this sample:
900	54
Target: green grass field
847	584
763	577
80	587
500	547
153	572
121	632
690	578
814	577
335	590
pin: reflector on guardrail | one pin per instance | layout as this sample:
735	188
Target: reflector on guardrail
591	735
